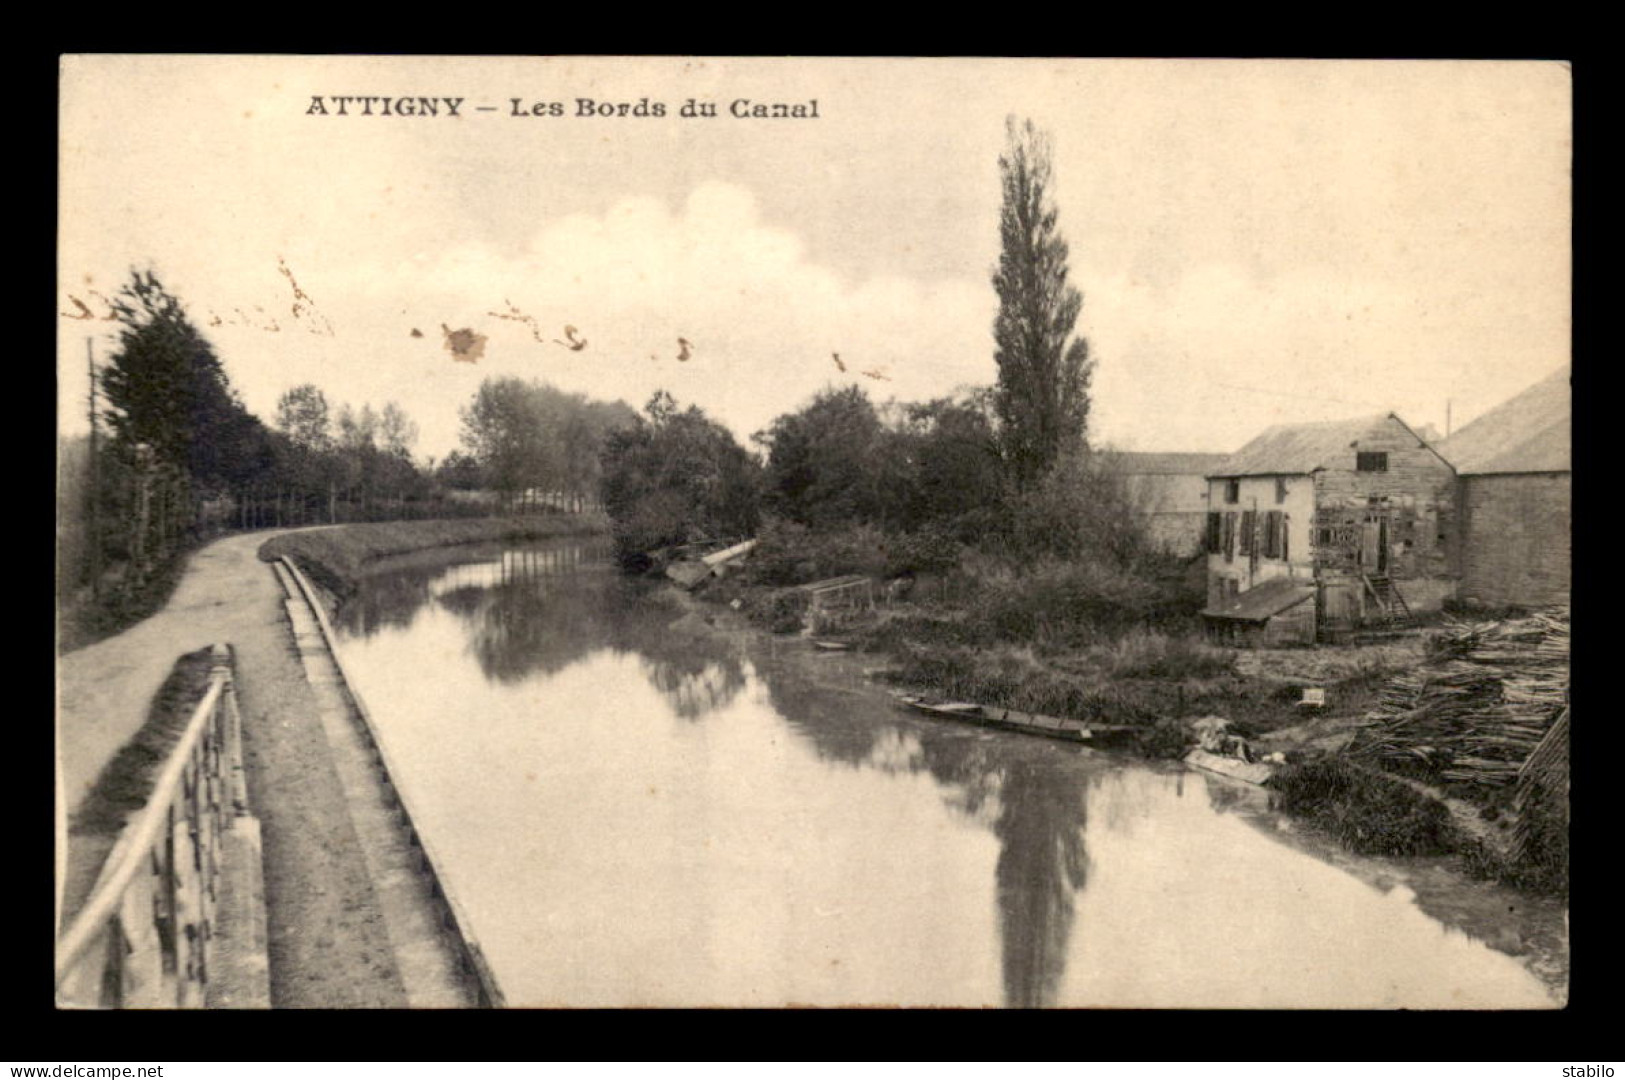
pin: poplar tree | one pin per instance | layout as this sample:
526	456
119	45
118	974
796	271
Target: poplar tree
1042	396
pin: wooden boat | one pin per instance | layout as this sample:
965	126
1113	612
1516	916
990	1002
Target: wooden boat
1003	719
1251	772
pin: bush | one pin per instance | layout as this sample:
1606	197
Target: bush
1167	738
1062	602
929	550
791	554
1078	510
1146	654
1013	678
1368	812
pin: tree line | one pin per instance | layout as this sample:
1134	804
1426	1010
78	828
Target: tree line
1007	464
1006	467
174	456
996	484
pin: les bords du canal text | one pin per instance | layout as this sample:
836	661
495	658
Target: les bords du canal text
581	107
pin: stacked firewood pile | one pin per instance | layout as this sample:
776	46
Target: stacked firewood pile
1476	710
1541	803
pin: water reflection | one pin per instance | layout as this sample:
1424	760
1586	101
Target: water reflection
651	814
1028	794
1042	865
536	611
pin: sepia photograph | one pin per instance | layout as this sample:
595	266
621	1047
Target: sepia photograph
694	532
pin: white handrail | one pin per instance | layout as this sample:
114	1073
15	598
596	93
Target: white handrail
140	836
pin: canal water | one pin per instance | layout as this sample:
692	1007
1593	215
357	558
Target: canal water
638	809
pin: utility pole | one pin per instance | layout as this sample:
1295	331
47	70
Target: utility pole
94	482
1447	418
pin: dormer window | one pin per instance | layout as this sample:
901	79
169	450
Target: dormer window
1371	461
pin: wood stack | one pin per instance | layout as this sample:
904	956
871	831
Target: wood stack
1476	711
1541	801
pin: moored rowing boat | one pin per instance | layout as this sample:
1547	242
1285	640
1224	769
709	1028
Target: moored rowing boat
1054	727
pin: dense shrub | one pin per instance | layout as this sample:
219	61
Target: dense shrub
1053	601
932	549
789	553
1013	678
674	476
1167	738
1080	509
1368	812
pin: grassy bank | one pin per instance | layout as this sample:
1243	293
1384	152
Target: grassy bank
126	781
334	557
84	620
952	645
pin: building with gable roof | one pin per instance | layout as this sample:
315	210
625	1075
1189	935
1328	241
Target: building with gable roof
1516	475
1347	522
1169	491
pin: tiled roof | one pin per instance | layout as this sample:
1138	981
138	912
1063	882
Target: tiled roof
1262	601
1529	433
1134	463
1292	449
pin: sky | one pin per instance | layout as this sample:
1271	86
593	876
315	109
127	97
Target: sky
1256	242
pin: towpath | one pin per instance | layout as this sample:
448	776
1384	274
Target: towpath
327	941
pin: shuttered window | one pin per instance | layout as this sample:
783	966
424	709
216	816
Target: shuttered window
1215	533
1272	534
1249	525
1230	535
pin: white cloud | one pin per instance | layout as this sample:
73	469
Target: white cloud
763	324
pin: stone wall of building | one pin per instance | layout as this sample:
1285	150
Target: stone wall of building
1416	492
1516	537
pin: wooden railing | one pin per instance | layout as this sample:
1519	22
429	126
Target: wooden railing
144	939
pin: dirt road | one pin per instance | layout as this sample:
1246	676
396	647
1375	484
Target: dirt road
328	946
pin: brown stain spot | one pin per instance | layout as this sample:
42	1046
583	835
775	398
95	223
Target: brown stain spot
876	373
530	776
653	790
465	345
248	114
416	332
83	312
